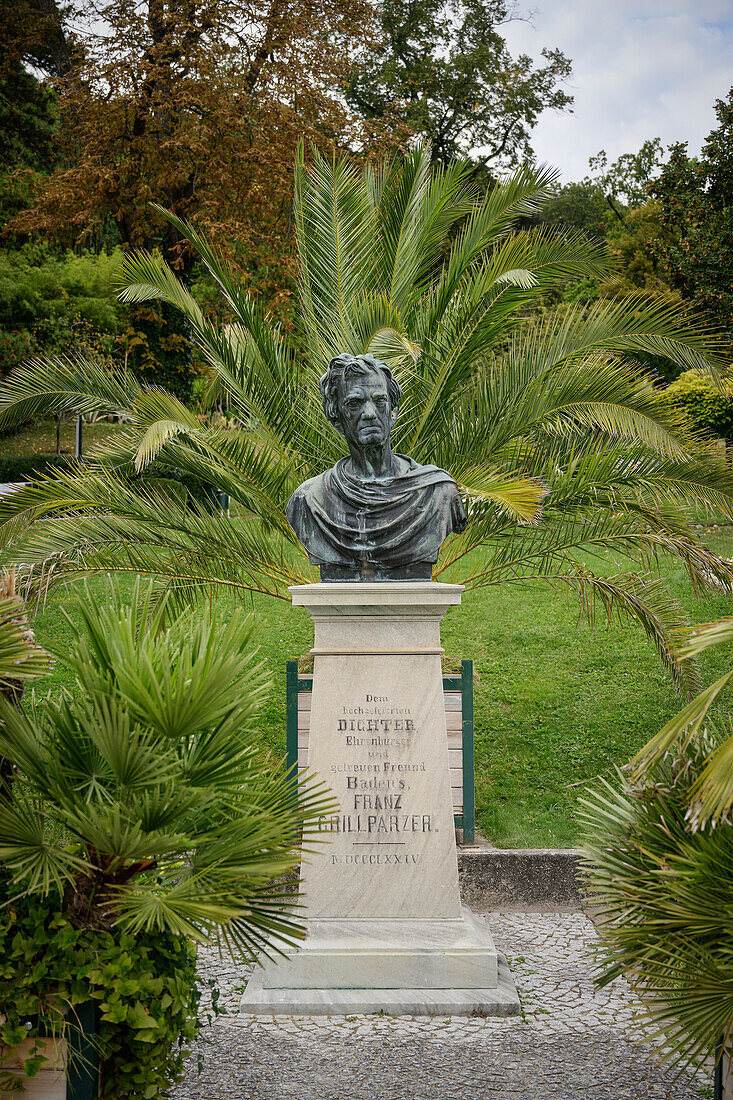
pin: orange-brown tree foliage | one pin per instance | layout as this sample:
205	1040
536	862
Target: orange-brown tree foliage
197	105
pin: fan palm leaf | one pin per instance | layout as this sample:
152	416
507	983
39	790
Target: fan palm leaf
662	894
144	801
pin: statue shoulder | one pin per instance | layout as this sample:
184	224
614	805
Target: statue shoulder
307	491
427	474
304	488
450	499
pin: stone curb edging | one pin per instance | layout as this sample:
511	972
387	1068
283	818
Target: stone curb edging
526	879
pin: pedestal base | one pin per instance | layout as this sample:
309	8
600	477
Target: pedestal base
502	1000
416	967
389	954
385	927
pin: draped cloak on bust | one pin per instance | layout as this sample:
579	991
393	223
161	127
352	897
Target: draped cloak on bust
342	520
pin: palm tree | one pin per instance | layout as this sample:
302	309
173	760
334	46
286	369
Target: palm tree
554	434
711	793
143	801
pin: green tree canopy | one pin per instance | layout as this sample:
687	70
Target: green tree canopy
695	197
445	72
576	206
628	178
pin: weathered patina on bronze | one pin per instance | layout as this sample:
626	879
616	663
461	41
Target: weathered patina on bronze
376	515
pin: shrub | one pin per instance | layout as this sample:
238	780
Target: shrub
143	987
23	467
707	405
54	304
663	895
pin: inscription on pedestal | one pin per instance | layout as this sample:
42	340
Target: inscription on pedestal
383	752
377	792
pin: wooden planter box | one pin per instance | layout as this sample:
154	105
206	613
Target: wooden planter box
50	1082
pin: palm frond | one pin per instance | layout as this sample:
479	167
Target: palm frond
71	383
100	522
680	730
335	220
416	208
520	497
662	894
699	638
20	657
39	866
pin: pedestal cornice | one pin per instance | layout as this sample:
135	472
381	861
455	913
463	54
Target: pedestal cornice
370	597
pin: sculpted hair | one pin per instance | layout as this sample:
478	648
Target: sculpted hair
344	366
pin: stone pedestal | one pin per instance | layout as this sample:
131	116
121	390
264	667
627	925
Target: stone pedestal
385	925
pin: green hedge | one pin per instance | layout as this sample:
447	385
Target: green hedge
709	406
22	467
144	987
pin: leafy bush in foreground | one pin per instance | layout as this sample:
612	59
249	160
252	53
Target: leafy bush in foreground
143	987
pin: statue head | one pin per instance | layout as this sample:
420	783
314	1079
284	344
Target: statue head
360	398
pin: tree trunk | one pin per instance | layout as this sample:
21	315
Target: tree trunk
58	433
55	39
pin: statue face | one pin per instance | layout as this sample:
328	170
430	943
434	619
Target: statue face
365	411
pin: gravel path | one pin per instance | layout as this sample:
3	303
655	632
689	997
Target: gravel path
571	1042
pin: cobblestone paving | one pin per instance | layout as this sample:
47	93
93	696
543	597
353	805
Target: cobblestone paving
571	1042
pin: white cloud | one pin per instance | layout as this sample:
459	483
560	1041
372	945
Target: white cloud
641	69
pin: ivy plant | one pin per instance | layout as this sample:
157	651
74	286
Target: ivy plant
143	986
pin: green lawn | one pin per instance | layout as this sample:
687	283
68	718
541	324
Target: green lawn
557	701
39	438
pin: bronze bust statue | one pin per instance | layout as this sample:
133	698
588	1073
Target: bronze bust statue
376	515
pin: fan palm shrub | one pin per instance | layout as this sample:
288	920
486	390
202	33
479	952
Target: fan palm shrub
142	819
556	437
143	801
662	890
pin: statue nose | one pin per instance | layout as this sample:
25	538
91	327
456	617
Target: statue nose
369	411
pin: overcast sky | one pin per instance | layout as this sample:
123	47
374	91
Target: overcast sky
641	69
